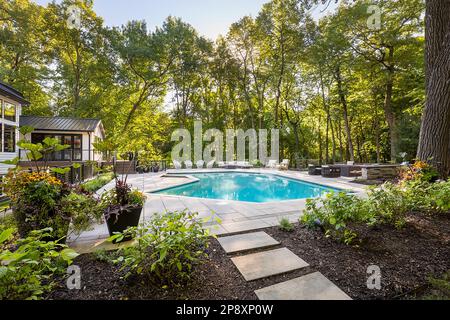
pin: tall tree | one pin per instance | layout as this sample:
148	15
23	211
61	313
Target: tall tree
434	143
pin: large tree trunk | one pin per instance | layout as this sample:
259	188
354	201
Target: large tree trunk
345	113
434	138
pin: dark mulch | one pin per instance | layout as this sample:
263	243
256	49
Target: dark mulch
406	258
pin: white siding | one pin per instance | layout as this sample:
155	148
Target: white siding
9	155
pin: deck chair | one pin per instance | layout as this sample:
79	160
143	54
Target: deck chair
176	164
210	164
284	165
272	164
200	164
188	164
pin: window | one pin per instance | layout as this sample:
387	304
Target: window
71	154
9	141
9	111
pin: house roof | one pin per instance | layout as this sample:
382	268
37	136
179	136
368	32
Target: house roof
12	93
60	123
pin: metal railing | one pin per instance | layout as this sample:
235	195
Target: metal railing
69	155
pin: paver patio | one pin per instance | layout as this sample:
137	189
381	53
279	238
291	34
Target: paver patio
234	216
313	286
268	263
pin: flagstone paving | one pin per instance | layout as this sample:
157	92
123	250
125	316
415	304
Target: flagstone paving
268	263
313	286
229	216
247	241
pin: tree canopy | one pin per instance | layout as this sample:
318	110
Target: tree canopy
336	88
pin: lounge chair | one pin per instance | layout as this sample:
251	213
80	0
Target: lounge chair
188	164
221	164
243	164
272	164
176	164
284	165
314	170
210	164
331	171
200	164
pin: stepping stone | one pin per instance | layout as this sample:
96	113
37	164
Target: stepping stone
313	286
268	263
248	241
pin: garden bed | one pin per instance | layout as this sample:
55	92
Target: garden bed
406	258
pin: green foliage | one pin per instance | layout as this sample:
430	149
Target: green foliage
28	272
286	225
388	203
83	209
39	201
167	248
97	183
440	288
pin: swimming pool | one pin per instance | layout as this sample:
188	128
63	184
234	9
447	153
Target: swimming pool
251	187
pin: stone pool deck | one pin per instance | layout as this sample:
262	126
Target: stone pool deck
227	217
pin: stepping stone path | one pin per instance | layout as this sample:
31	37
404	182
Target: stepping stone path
268	263
314	286
247	241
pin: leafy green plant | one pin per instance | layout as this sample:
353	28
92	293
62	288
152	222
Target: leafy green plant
286	225
83	209
39	201
167	248
440	196
333	213
440	288
388	203
97	183
28	272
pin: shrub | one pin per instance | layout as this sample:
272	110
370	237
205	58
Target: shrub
420	170
167	248
34	200
97	183
440	196
83	210
40	201
387	203
29	271
286	225
333	213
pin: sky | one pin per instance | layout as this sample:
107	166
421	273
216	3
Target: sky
209	17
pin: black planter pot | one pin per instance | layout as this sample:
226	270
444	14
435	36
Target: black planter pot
121	220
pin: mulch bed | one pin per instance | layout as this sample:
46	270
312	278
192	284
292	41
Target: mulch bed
406	258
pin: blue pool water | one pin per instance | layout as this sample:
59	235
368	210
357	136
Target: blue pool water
249	187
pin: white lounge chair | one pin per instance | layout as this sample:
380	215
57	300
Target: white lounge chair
210	164
284	165
221	164
188	164
176	164
272	164
200	164
243	164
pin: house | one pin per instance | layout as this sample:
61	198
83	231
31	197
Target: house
11	103
79	133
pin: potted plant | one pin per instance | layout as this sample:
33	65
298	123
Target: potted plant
122	207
